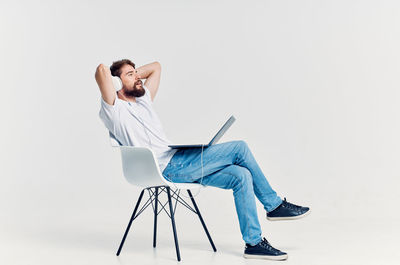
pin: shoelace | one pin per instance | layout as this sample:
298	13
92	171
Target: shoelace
290	205
264	242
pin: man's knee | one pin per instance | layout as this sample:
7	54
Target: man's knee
241	148
243	177
241	143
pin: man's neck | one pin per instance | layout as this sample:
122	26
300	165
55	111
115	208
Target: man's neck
122	96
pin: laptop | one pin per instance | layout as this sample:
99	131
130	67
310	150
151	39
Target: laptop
214	140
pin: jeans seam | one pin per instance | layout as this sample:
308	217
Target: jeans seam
241	186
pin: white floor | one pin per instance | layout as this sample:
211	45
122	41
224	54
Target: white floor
93	238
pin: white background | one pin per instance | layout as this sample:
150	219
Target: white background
314	86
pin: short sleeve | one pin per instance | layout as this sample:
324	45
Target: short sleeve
109	113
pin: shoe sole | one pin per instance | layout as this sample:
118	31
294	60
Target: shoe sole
290	217
250	256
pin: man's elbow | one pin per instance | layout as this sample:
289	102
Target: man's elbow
100	68
101	71
157	65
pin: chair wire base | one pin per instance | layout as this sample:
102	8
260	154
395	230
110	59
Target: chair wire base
173	199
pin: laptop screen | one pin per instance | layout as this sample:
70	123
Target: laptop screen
221	132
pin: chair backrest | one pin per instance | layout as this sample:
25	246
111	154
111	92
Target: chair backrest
139	165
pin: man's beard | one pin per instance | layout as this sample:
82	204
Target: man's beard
137	91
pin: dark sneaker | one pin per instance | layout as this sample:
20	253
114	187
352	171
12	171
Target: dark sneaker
288	211
263	250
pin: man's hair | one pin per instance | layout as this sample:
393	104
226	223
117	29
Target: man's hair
116	66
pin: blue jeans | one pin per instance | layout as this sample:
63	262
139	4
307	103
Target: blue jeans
229	165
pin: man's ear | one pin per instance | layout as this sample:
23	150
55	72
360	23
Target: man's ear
117	82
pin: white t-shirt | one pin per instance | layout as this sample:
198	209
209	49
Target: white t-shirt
137	124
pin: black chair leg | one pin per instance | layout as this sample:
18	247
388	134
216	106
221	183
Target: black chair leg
178	255
130	222
155	217
201	220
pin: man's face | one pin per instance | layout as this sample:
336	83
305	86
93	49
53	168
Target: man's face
131	83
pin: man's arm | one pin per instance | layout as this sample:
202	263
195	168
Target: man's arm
104	81
152	73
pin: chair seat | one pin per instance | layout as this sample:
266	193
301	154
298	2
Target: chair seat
184	186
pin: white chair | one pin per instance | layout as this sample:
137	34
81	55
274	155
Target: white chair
141	169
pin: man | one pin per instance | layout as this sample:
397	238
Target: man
129	115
